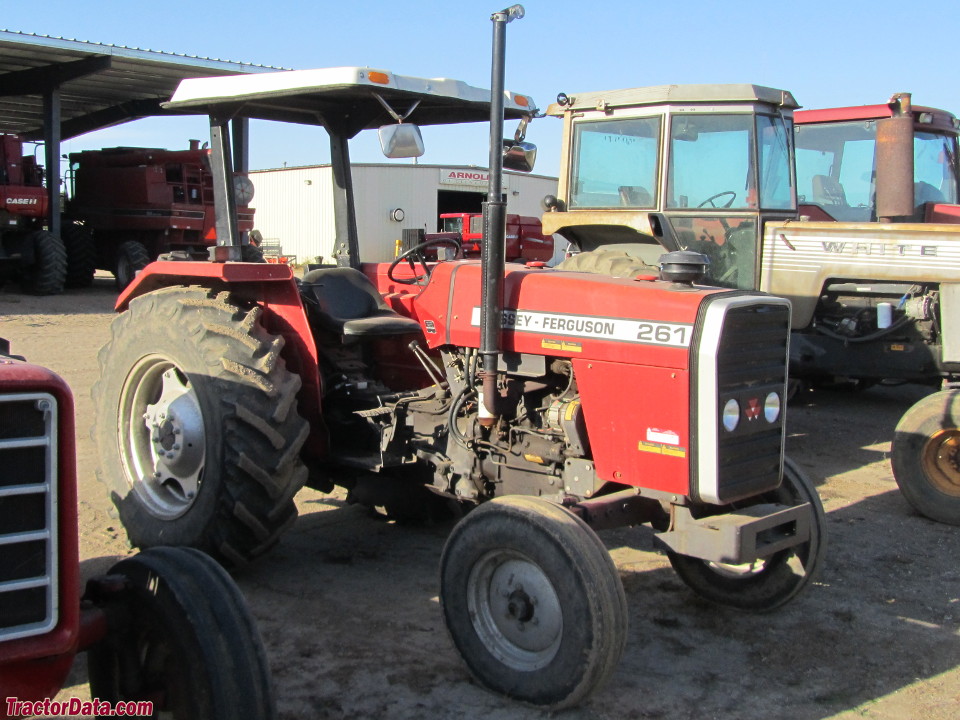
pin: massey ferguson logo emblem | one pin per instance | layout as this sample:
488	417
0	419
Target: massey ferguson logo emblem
22	201
753	409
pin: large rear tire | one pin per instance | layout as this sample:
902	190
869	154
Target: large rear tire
81	255
197	426
925	456
48	273
533	601
186	641
767	583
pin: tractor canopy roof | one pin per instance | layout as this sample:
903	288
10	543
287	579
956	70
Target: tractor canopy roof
349	99
673	95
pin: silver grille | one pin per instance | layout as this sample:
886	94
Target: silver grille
28	519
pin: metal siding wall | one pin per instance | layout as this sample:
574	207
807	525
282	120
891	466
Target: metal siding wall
291	206
300	215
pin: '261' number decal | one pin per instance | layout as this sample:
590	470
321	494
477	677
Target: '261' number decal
662	334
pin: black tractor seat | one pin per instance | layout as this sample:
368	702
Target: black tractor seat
343	300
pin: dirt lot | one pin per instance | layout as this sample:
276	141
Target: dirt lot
348	608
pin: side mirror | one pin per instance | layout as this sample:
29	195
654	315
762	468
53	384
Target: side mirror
401	141
519	156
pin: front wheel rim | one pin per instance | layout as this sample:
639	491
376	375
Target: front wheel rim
162	437
940	460
515	610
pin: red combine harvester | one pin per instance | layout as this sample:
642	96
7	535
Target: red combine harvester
545	404
157	629
129	205
27	251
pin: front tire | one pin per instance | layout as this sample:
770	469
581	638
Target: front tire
925	456
766	583
533	601
197	425
186	641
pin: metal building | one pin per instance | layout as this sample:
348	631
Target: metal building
294	206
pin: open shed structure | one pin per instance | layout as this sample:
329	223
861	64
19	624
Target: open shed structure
54	89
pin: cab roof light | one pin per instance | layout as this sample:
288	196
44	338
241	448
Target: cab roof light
381	78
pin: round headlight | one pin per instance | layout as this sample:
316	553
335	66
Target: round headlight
771	407
731	415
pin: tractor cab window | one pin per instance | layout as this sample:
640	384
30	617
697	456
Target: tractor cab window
934	168
712	162
776	185
451	224
836	170
615	163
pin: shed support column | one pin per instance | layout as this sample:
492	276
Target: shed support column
240	129
51	124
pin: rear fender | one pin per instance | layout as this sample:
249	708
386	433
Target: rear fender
274	288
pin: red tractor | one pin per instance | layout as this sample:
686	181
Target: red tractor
129	205
27	251
524	237
166	631
545	404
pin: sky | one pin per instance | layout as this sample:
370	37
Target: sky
842	52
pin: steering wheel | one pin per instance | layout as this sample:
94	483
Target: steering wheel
417	254
728	203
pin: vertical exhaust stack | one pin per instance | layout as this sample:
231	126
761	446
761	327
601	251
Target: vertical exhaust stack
895	161
494	226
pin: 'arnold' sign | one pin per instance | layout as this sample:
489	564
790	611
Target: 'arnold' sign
465	176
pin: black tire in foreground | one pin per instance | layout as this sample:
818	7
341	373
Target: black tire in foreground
197	426
48	273
533	601
186	641
81	255
925	456
132	257
766	583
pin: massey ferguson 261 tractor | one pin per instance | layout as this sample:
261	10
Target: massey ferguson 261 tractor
547	404
872	275
167	633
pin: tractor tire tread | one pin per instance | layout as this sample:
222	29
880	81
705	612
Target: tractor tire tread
258	462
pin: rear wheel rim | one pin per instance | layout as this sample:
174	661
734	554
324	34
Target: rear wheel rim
162	436
940	460
515	609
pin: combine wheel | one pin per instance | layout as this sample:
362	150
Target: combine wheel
81	255
769	582
185	640
926	456
532	601
48	273
197	425
132	257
